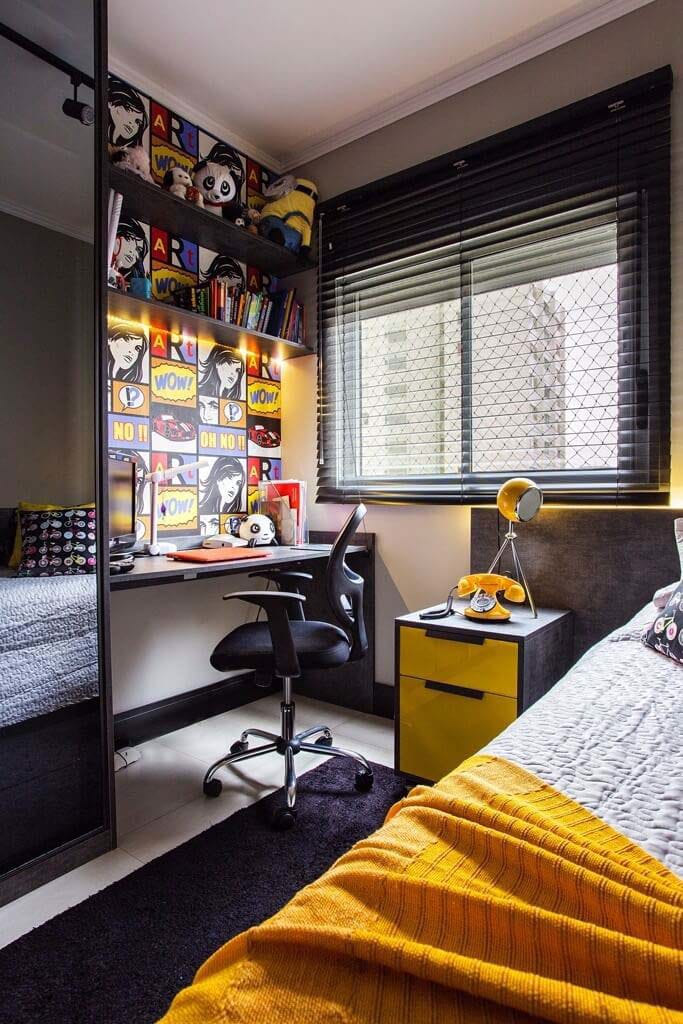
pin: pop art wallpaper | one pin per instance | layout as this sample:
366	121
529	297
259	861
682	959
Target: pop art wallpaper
172	399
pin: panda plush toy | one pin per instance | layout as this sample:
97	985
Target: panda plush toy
257	530
219	176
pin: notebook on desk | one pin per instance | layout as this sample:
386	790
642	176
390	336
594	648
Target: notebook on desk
216	554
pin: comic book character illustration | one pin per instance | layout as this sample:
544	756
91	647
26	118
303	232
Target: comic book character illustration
221	373
127	347
225	269
131	248
223	488
128	118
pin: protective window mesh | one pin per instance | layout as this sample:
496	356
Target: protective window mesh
505	310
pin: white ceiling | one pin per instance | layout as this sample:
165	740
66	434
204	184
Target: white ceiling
290	81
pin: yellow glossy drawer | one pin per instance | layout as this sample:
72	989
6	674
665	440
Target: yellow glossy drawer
439	729
490	665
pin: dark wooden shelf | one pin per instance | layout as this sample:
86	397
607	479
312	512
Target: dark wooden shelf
184	321
155	205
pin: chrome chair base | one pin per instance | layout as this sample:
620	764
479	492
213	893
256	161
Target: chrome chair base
288	744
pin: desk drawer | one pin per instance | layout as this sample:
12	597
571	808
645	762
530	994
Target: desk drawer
441	725
490	665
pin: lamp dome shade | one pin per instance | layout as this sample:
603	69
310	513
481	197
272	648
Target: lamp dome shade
519	499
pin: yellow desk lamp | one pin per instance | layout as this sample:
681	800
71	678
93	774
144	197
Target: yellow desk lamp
518	500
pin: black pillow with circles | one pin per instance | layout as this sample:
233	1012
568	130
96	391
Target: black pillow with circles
666	632
58	542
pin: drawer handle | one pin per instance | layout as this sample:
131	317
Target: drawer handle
460	638
459	691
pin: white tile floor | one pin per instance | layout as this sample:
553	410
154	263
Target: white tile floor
160	804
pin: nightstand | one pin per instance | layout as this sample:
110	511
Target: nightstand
460	682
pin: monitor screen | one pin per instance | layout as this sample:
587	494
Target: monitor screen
122	503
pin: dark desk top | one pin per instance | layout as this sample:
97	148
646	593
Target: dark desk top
519	627
152	570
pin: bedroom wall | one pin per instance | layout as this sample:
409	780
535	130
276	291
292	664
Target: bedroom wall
422	551
47	413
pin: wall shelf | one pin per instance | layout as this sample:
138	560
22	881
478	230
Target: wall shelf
183	321
155	205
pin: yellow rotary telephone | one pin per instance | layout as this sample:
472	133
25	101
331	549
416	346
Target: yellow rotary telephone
484	586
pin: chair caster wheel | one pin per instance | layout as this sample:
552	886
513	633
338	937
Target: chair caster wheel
364	780
324	741
213	787
284	818
239	747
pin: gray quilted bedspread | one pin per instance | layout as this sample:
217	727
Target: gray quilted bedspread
610	736
48	645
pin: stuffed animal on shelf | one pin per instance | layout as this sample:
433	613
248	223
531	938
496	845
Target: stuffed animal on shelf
253	220
178	182
287	216
219	177
257	530
136	160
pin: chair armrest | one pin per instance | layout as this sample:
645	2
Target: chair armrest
289	578
276	603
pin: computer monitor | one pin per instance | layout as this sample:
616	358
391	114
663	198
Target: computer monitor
122	502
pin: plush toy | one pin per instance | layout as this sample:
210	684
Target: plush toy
257	530
287	216
219	177
135	159
253	220
178	182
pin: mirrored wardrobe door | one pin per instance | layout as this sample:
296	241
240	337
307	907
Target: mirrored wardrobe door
54	775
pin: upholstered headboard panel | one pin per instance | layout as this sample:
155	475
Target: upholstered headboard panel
604	564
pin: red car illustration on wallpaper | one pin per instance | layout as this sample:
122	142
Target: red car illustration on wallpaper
172	429
263	437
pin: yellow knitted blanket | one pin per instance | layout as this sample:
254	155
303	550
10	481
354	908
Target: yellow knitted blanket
488	897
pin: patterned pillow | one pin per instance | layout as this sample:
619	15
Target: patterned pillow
57	542
666	632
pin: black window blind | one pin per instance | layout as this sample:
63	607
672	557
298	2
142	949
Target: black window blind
505	310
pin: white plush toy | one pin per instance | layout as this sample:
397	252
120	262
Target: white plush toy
178	182
257	529
134	159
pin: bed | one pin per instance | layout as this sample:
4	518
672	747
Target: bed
48	645
540	880
50	747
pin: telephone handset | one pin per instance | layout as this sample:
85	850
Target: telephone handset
484	604
484	586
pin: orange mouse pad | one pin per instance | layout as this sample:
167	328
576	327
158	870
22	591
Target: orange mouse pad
216	554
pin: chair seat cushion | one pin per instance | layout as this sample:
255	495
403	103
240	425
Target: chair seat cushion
318	645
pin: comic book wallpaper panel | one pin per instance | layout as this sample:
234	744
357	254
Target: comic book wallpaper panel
173	399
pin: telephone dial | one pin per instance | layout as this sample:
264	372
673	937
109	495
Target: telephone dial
484	604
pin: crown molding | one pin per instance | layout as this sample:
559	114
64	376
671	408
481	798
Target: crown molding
45	221
458	79
180	106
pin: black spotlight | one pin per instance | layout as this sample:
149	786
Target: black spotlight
82	112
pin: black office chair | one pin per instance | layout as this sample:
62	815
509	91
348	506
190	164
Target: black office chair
288	643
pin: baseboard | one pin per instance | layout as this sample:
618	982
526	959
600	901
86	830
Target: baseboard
383	700
151	720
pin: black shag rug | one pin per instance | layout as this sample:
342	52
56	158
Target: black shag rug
121	955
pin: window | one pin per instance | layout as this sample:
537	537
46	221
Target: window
493	315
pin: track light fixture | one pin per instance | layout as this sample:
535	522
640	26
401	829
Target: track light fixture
82	112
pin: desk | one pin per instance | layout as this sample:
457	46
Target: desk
155	570
349	685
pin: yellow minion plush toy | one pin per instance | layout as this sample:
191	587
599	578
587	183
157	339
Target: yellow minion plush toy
287	215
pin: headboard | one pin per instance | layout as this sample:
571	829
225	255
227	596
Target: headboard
603	564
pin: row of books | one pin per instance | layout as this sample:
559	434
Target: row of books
275	313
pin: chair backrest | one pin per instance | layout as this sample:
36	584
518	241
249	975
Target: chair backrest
345	587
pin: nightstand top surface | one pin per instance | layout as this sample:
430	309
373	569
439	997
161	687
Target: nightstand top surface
519	627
